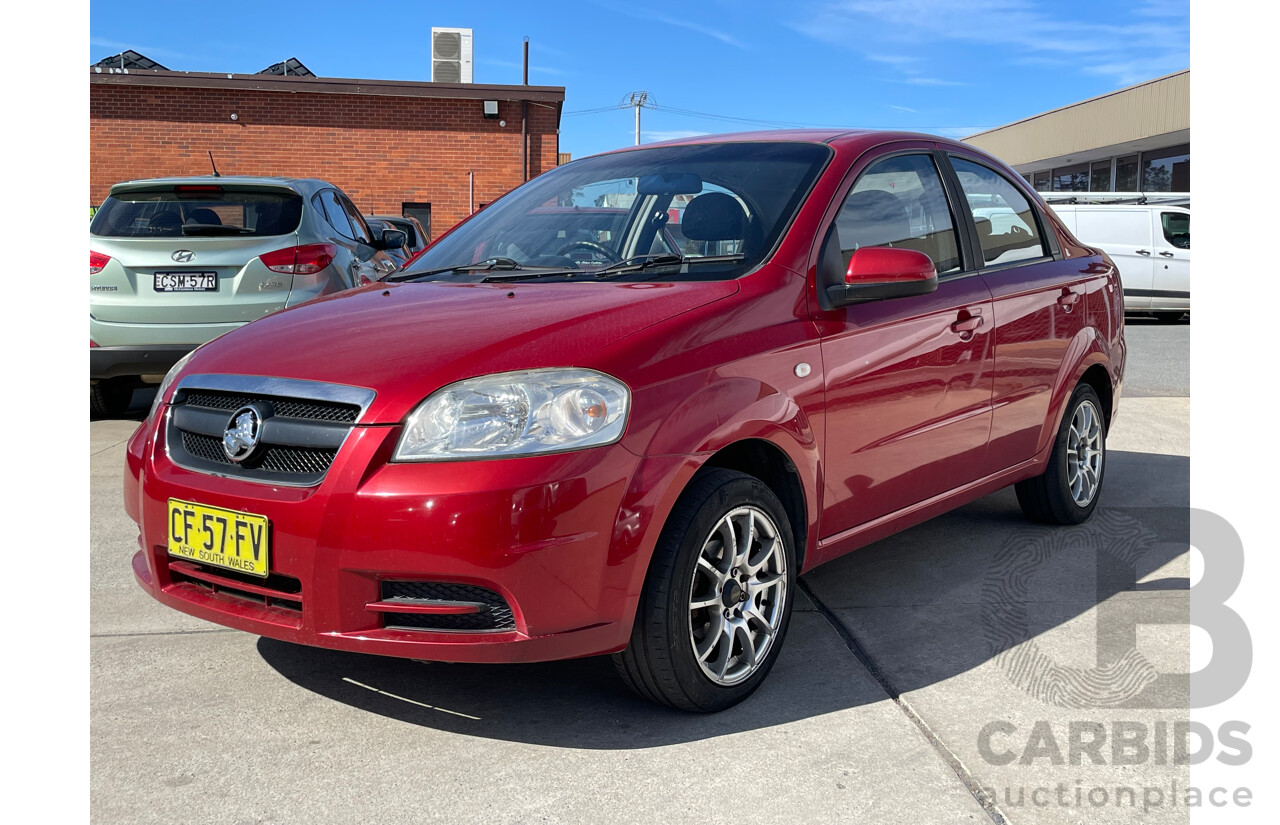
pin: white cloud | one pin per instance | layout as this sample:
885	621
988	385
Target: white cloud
656	17
903	109
1149	33
534	68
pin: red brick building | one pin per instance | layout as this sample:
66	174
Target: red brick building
390	145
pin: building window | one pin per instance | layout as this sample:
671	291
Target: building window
1071	178
1167	170
1042	181
1127	174
421	211
1100	176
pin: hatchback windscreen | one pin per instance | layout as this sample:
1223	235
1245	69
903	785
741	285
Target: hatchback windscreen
698	212
206	209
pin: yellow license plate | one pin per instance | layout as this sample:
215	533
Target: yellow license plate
223	538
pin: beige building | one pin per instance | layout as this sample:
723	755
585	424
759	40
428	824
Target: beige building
1133	139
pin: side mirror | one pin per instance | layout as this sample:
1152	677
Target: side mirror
876	273
394	239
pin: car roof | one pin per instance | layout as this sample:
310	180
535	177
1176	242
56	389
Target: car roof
869	137
297	184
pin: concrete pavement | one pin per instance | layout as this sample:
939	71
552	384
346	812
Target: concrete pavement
927	660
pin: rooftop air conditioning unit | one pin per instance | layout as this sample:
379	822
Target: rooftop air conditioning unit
451	55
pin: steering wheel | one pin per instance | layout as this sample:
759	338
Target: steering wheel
611	256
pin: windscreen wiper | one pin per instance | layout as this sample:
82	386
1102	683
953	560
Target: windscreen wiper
629	266
487	264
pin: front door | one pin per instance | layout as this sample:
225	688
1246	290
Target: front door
908	380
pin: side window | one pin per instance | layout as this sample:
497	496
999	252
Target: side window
1177	229
358	226
900	202
1006	223
335	214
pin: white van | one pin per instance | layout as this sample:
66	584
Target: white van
1150	243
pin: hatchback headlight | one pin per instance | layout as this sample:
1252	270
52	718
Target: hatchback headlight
516	413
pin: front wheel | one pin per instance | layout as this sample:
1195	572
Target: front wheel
1067	492
718	597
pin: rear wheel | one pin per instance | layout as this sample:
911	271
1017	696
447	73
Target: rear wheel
109	398
1067	492
717	600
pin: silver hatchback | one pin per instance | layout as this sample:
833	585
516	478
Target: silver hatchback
176	262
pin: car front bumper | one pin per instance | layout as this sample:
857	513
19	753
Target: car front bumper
559	537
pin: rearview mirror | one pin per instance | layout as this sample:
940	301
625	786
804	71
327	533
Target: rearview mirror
876	273
669	183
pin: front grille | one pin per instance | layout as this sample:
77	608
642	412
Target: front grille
276	590
296	460
299	435
496	614
286	408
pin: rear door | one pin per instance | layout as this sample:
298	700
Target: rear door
1040	306
908	380
189	254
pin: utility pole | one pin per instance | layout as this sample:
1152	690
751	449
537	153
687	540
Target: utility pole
638	100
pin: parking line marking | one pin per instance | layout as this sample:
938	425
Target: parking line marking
410	701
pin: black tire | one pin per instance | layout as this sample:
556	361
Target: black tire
110	398
661	662
1169	317
1050	497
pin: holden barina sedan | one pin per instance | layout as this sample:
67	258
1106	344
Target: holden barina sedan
523	450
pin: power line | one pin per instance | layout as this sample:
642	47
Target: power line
773	124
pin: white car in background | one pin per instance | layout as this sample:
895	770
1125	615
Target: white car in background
1150	243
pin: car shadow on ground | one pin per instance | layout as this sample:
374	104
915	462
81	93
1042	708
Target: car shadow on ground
139	406
926	605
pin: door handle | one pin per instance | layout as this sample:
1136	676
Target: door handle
1068	299
1167	254
966	326
1143	251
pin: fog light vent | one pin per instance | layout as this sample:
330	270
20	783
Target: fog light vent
418	605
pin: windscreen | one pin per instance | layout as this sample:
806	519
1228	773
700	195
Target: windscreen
726	204
176	211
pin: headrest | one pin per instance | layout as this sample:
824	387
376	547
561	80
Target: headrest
714	216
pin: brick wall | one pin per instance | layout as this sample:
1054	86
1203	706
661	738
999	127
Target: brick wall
380	150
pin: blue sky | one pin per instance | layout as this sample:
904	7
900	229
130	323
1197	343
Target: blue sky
949	67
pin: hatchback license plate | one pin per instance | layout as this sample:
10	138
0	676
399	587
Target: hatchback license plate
186	282
223	538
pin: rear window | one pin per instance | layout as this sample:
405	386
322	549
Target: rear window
205	209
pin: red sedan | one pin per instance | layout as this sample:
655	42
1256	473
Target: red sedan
544	441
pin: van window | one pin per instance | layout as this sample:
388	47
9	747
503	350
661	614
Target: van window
1177	229
1114	226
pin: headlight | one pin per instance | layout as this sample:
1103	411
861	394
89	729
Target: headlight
169	378
516	413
